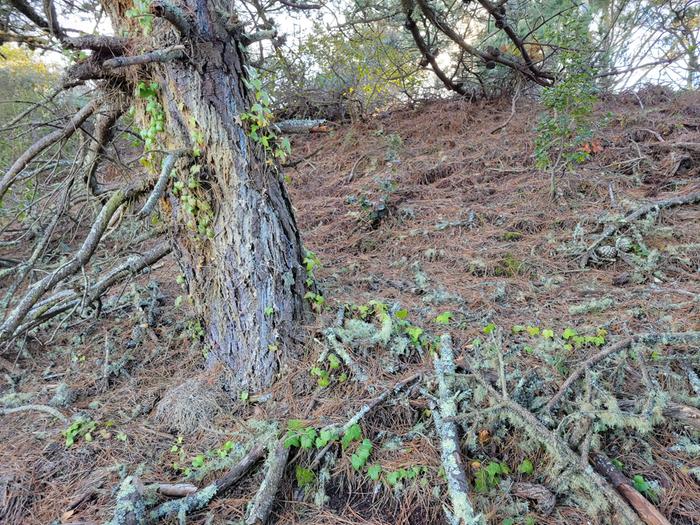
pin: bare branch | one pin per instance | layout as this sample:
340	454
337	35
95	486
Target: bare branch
162	183
66	300
81	257
159	55
52	138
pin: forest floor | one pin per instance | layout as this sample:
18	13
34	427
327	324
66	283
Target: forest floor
452	228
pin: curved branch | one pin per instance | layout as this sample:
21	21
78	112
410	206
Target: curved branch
423	48
81	257
162	183
174	14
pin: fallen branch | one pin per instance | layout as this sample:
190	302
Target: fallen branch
173	490
457	484
610	229
299	125
666	338
537	430
131	506
265	497
649	514
201	498
38	408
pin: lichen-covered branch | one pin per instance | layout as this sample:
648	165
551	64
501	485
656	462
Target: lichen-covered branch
560	451
261	505
159	55
201	498
444	416
663	338
35	408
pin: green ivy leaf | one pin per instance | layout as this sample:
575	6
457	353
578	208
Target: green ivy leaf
444	318
374	472
354	433
526	467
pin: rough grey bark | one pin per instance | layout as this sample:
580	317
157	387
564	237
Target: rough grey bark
253	263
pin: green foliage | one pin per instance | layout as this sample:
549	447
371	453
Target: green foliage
305	477
444	318
141	12
299	436
489	477
359	458
357	72
198	211
354	433
374	472
24	79
567	124
316	299
526	467
395	477
80	428
155	116
258	120
329	370
644	487
201	462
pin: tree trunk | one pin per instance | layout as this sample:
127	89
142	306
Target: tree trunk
245	277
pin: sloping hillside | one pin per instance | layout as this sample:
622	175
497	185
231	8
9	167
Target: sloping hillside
424	222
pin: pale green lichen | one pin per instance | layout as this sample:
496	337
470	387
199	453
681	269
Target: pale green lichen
130	503
594	306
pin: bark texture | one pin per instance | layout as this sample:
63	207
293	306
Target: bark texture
252	265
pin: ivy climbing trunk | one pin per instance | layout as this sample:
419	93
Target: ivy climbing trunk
234	231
